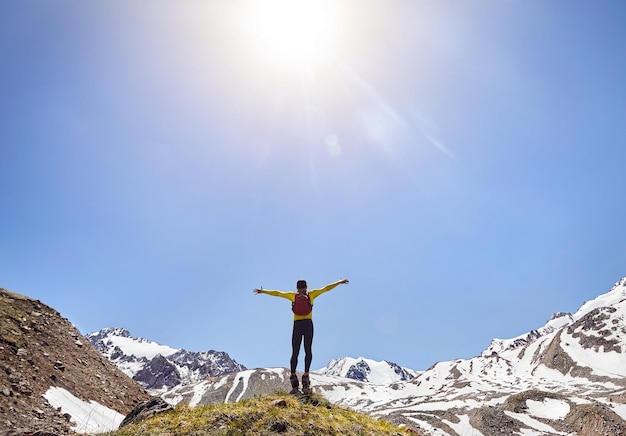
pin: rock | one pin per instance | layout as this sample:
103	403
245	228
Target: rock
145	410
279	403
279	427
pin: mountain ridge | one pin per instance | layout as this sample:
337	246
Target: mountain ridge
159	367
558	320
567	377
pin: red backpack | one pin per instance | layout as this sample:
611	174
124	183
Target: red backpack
302	304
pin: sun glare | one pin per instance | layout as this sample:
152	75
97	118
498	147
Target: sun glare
292	31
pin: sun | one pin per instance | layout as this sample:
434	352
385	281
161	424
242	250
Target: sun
292	32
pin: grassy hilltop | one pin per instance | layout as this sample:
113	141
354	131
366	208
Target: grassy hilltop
274	414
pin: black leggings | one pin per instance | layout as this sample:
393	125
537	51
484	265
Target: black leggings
302	328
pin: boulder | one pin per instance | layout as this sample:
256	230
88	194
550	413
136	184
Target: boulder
145	410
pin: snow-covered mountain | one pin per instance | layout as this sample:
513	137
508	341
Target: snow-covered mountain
159	367
567	377
367	370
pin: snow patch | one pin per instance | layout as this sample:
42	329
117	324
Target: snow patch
88	417
549	408
220	383
244	376
463	426
538	427
198	391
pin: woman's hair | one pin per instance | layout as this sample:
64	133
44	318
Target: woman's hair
301	284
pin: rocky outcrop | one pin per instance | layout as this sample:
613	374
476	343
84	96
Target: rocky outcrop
145	410
593	420
493	421
157	373
598	330
402	373
555	357
40	349
358	371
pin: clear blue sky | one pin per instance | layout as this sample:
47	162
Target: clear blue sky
462	163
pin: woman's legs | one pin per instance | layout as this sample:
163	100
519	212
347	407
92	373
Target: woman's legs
308	347
296	340
302	329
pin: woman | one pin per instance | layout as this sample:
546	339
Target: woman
302	306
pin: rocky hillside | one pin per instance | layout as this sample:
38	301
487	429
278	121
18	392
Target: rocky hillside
46	362
157	367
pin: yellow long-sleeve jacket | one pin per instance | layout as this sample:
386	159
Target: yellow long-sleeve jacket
313	294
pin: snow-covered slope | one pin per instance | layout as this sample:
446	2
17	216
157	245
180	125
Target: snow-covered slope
567	377
159	367
367	370
88	417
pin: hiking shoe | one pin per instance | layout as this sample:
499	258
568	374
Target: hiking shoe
294	384
306	384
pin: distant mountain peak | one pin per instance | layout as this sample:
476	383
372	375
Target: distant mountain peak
110	331
367	370
159	367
